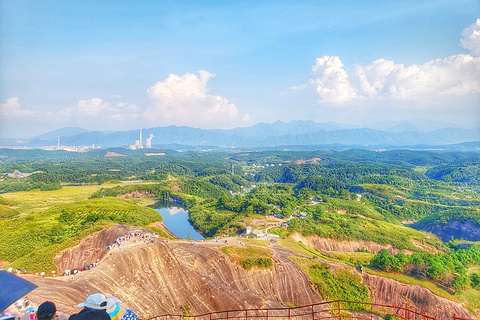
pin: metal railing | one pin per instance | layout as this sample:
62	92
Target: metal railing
338	310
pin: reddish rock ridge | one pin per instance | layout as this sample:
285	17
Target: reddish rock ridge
94	247
158	278
392	292
325	244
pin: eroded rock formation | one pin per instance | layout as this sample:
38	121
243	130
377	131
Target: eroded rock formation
160	277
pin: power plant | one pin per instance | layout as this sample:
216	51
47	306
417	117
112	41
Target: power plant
139	143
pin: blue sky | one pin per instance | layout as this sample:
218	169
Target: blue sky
118	65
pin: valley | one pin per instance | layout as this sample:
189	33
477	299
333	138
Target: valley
280	230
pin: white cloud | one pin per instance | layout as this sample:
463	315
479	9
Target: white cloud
331	81
456	75
471	38
92	107
184	100
12	108
96	108
453	76
178	100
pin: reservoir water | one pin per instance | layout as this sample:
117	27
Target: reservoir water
176	220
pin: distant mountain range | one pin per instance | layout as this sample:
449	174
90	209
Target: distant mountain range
294	133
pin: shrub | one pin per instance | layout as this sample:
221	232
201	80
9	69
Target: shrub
256	262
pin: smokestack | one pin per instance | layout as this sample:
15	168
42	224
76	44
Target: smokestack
140	144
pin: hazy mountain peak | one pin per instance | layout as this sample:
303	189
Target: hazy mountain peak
63	132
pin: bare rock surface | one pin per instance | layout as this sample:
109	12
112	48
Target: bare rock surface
94	247
159	277
391	292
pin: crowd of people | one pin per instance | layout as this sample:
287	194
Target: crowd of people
135	236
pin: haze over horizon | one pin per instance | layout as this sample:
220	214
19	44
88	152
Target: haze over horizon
121	66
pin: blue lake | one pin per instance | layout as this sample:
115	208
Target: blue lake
176	219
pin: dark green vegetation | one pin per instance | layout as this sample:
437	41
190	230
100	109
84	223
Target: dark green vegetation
450	270
349	195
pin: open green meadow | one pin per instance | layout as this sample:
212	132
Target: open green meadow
26	202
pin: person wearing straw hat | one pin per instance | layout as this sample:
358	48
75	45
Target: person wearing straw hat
94	308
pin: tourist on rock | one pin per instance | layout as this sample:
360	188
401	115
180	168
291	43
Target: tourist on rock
118	312
46	311
94	308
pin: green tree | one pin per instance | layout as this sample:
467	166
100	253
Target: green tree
436	270
475	280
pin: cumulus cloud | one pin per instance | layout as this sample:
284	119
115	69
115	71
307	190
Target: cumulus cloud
331	81
12	108
96	108
452	76
184	100
471	38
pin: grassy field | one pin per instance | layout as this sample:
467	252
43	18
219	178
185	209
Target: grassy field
351	257
240	253
27	202
250	256
338	285
305	250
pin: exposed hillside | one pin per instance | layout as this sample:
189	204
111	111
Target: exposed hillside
388	291
161	277
464	224
458	229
